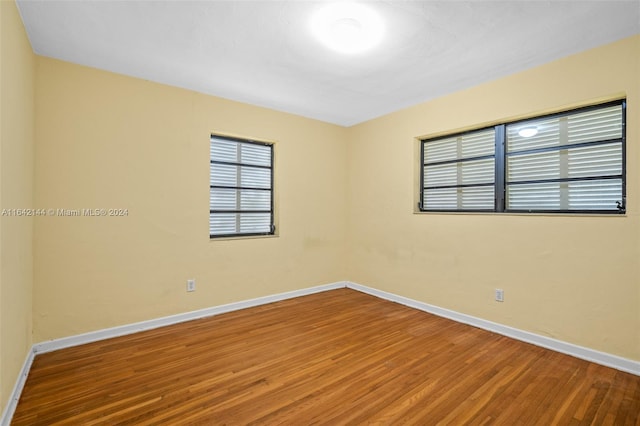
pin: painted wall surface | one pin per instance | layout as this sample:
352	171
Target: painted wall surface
345	202
115	142
574	278
17	71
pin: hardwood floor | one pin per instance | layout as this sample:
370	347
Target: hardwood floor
338	357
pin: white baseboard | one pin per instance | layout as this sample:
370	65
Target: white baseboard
107	333
592	355
608	360
7	414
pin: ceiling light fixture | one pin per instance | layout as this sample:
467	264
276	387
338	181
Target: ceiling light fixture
527	132
347	27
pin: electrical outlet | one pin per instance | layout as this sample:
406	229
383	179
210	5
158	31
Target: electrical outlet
499	295
191	285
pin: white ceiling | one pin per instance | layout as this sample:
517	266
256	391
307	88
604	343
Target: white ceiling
262	52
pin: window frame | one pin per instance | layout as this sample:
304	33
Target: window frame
271	189
501	154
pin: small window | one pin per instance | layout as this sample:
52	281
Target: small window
568	162
459	172
240	188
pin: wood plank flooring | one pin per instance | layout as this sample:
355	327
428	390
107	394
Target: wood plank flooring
333	358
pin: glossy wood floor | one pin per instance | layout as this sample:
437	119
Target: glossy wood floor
339	357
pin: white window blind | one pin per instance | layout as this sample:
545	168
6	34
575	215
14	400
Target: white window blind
458	172
240	188
573	163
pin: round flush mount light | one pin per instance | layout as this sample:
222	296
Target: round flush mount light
348	28
529	131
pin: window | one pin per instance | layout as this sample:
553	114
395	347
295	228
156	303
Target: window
459	172
240	188
568	162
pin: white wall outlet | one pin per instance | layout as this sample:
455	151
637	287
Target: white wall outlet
191	285
499	295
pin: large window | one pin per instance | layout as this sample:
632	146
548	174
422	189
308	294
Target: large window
561	163
240	188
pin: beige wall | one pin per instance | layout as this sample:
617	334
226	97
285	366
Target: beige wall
574	278
17	70
109	141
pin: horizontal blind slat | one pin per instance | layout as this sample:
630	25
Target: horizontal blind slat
239	223
467	173
239	199
588	126
469	198
459	147
223	150
581	195
595	195
589	161
259	155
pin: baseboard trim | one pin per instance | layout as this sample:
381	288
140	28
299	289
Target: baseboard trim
94	336
10	409
592	355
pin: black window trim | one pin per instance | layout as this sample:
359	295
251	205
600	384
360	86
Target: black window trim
501	155
272	230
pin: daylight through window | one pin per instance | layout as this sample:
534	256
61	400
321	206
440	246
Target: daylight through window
240	188
568	162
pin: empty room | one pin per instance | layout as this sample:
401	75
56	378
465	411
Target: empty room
319	212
